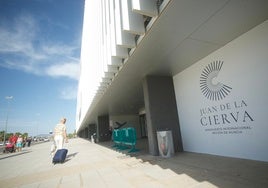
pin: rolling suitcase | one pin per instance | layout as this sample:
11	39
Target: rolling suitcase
60	156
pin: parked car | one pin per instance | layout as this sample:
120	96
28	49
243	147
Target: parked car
46	140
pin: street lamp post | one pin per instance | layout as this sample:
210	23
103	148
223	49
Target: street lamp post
8	98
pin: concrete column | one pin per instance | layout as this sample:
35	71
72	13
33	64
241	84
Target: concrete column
103	129
86	132
161	110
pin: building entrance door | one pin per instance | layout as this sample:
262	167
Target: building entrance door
143	126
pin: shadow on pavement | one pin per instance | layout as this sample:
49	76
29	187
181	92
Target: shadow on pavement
218	170
13	154
72	155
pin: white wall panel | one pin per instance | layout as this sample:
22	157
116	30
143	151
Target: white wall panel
107	80
122	38
90	58
145	7
112	68
116	61
116	50
109	75
132	22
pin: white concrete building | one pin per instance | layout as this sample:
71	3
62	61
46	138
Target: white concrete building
197	68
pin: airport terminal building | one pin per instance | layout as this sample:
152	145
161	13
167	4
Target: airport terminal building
196	68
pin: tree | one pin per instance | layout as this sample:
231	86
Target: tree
8	135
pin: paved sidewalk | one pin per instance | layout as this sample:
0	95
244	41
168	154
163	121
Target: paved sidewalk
94	165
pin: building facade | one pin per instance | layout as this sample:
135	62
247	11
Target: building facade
197	68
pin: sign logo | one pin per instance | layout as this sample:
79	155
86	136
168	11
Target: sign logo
210	87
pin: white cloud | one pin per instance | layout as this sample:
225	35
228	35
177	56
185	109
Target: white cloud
58	49
18	38
70	70
23	48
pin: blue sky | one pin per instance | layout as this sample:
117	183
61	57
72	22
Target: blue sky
40	44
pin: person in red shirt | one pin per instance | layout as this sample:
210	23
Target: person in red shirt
13	139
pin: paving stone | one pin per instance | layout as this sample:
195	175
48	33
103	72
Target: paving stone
99	165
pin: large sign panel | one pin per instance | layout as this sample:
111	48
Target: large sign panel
221	118
222	99
210	87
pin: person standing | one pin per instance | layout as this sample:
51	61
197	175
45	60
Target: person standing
19	143
13	140
60	134
29	140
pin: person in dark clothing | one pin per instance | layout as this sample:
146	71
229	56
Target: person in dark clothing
29	140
